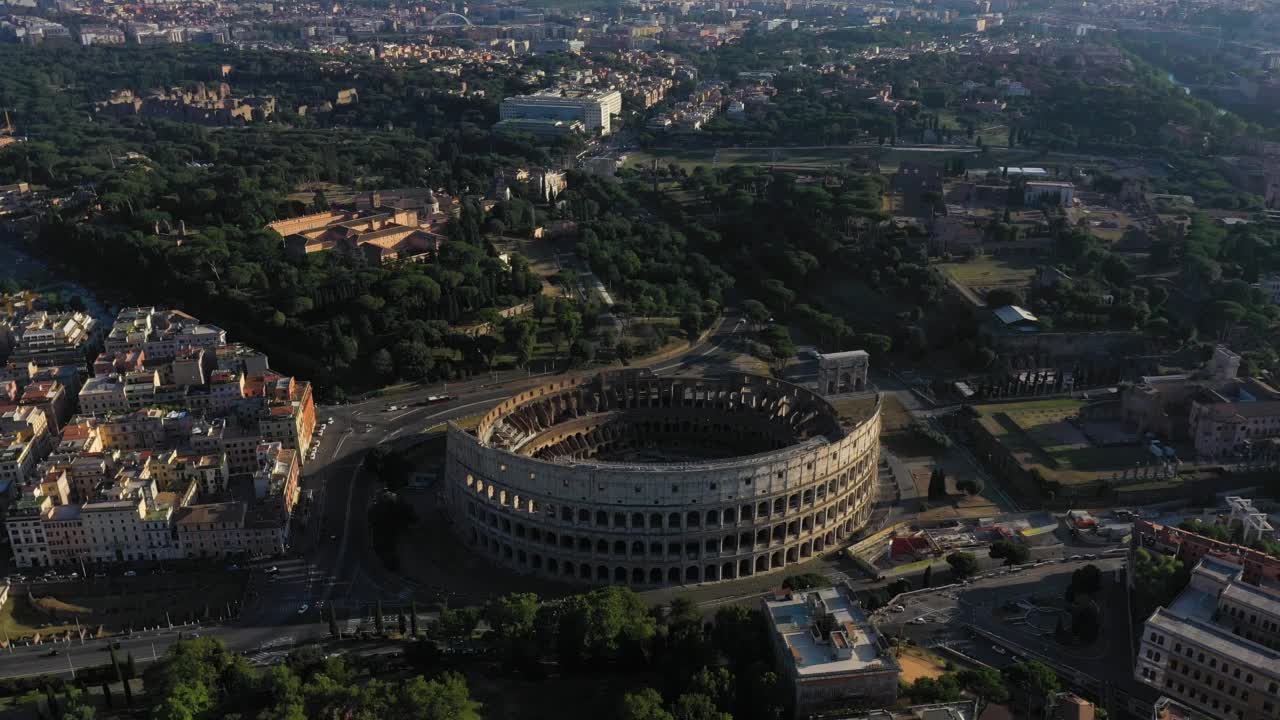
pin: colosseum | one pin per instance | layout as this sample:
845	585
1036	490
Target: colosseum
630	478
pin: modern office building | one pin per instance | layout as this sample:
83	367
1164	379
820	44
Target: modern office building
594	109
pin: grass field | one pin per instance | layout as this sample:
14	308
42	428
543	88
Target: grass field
989	273
19	619
114	604
1040	434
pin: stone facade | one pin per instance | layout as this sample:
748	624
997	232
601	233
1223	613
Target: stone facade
767	478
843	372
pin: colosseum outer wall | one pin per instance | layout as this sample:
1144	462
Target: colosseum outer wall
659	524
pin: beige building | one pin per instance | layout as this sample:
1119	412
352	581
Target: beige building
25	526
1216	647
378	235
289	416
161	334
1220	413
831	655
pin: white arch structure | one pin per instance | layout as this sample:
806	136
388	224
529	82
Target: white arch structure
439	20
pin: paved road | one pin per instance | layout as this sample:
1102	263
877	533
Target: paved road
930	618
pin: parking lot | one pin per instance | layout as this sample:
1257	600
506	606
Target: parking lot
995	618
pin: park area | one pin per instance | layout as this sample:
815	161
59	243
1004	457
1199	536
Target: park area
116	604
982	275
1042	435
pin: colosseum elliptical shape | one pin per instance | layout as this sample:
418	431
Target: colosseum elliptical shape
630	478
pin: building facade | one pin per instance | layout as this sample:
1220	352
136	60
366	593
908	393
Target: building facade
595	110
1216	647
831	655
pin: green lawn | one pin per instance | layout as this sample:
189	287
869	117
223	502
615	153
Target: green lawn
1041	434
988	273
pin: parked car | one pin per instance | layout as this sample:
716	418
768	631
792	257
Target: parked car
131	573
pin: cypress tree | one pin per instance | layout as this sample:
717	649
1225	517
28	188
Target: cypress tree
413	617
377	619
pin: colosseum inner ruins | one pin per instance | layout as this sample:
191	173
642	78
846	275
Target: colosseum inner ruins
630	478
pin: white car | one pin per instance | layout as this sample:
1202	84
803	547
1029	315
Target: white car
303	610
999	649
899	608
329	421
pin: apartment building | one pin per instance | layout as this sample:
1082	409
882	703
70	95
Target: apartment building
160	334
128	481
1190	548
220	529
238	445
52	398
137	430
830	654
1216	647
61	338
289	414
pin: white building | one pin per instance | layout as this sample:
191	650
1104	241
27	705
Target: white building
1048	191
831	655
594	110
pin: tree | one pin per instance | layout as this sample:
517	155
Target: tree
1086	580
691	323
413	360
1158	578
927	581
1013	553
963	564
377	619
582	352
413	618
756	312
937	484
130	667
717	684
693	706
624	350
382	364
403	622
986	684
333	622
643	705
1086	621
1035	679
120	677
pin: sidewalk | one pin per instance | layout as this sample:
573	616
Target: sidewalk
902	474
